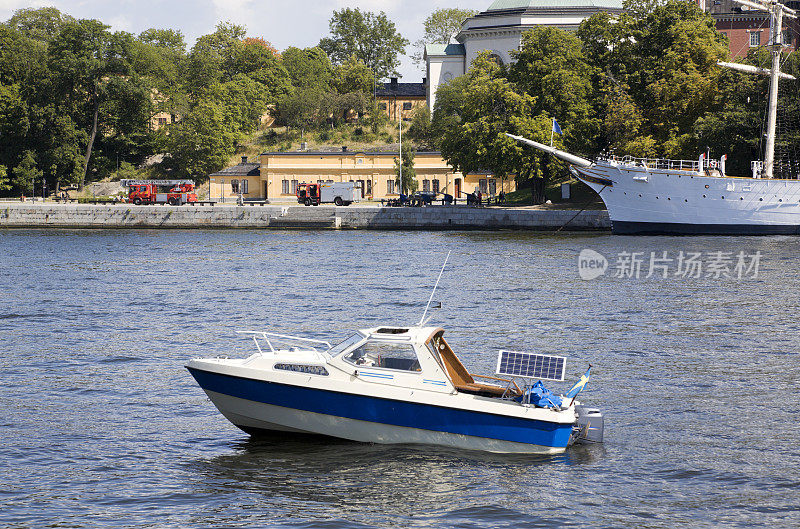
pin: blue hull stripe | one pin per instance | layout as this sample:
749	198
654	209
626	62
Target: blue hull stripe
619	227
388	411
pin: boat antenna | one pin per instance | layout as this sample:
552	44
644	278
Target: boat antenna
422	320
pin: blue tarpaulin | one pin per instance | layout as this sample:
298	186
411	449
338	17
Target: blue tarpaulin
538	395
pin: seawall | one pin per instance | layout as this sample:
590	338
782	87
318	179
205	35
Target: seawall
41	215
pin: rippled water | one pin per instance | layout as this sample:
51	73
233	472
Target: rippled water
100	424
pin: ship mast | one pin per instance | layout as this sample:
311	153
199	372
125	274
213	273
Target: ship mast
776	11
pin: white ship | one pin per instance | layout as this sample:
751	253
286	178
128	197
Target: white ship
650	196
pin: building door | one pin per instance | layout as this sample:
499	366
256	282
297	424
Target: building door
360	185
458	188
266	190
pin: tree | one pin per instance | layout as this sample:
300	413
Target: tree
82	59
26	174
664	62
352	76
440	26
421	129
550	66
308	68
5	184
472	114
372	38
203	142
408	173
302	108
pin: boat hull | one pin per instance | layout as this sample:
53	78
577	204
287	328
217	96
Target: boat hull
269	406
651	201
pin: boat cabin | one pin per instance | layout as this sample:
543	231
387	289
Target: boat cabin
400	355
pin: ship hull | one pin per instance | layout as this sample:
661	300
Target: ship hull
681	202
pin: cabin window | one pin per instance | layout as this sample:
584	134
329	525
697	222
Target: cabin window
302	368
400	356
351	341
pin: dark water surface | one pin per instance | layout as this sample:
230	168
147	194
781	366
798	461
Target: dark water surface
100	424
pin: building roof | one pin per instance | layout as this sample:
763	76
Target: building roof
242	169
402	90
502	5
455	50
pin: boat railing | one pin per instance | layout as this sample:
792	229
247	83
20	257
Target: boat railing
659	163
285	339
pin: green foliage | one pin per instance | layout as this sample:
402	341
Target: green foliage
409	182
5	183
440	26
352	76
472	115
308	68
203	142
421	129
550	67
302	108
27	174
372	38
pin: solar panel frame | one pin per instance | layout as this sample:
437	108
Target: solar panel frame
531	365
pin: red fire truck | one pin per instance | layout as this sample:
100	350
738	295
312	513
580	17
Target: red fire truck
172	192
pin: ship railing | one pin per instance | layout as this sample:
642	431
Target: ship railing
274	338
659	163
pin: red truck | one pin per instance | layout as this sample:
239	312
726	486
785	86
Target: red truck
172	192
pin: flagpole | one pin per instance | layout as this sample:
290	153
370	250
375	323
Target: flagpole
552	131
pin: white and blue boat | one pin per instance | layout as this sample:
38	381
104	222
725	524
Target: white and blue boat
396	385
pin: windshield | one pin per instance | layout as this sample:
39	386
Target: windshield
354	339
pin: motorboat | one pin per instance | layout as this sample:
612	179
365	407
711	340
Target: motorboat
397	384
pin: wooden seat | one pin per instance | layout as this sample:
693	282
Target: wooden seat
462	379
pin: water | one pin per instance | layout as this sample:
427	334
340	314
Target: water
100	424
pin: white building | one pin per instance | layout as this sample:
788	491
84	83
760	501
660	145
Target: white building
499	30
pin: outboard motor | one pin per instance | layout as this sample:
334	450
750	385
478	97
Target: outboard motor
589	424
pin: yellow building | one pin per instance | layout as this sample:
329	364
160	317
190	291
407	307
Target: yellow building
373	172
401	99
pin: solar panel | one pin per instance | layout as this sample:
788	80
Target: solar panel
531	365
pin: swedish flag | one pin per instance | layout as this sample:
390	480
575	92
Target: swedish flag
579	385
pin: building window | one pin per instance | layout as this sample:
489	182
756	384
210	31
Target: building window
389	186
369	187
234	186
407	105
293	189
162	122
492	186
482	186
383	106
755	39
435	186
245	186
426	185
285	187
